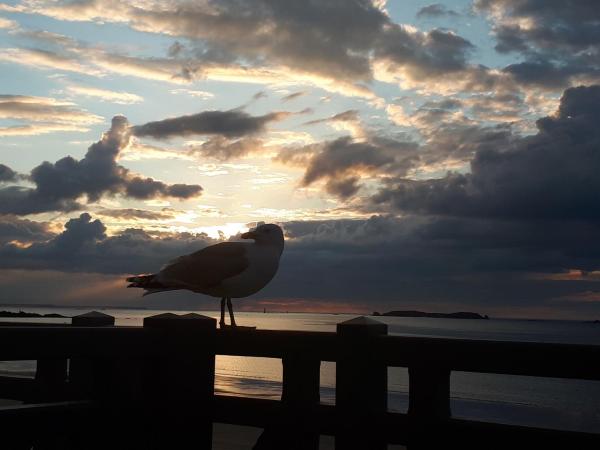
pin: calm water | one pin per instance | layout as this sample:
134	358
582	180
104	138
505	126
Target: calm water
556	403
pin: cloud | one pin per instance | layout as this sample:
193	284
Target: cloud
7	24
292	96
14	229
231	134
84	246
224	149
135	214
330	42
47	59
228	124
59	186
204	95
342	162
42	115
380	262
120	98
435	10
40	128
559	40
549	175
523	25
7	174
347	116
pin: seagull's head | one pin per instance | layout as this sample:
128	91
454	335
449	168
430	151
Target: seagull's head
269	234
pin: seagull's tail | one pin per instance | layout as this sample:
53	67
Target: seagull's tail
149	283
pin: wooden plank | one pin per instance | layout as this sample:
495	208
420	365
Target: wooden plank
397	428
517	358
514	358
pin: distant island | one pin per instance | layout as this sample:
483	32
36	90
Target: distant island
456	315
27	314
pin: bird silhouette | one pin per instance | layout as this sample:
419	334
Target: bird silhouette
226	270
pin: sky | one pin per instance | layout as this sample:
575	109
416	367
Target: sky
418	155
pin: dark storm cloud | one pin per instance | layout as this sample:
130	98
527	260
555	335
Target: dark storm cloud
436	10
540	72
382	262
341	162
7	174
84	247
436	263
552	24
60	185
13	228
229	124
549	175
560	40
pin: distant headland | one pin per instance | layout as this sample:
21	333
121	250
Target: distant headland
456	315
29	314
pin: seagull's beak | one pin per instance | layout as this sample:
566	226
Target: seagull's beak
249	235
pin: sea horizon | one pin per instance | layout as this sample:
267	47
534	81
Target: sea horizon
177	308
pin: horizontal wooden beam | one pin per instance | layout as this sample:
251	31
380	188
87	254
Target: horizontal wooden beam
398	428
511	358
516	358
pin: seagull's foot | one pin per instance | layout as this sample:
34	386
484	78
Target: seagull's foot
222	324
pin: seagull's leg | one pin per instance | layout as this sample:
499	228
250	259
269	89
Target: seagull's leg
222	321
230	307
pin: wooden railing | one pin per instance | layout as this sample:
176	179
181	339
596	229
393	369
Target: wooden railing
153	386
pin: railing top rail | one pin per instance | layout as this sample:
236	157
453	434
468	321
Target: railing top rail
517	358
502	357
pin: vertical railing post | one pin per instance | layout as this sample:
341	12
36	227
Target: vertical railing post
51	378
300	397
429	402
361	386
178	383
81	370
88	378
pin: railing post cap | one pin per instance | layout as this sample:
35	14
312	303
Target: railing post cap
174	321
93	318
362	325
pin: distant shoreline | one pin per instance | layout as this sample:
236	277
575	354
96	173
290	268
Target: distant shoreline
24	314
456	315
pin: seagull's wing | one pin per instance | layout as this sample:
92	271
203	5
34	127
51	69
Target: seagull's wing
207	267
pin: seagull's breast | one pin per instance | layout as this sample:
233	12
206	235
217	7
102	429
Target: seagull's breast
263	264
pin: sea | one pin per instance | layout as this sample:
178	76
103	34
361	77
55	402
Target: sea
530	401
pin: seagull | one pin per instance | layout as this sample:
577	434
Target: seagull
226	270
